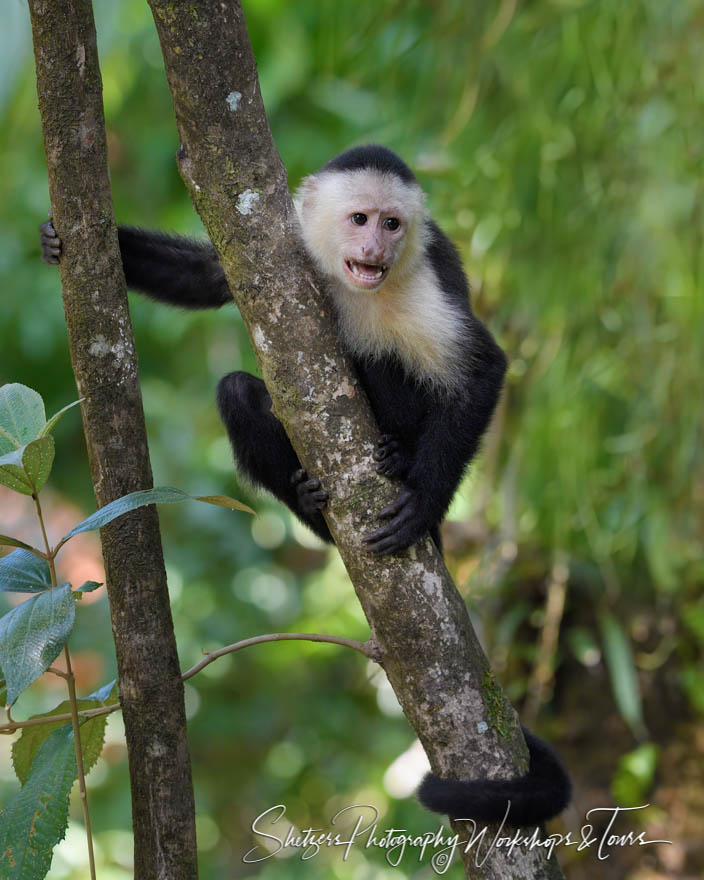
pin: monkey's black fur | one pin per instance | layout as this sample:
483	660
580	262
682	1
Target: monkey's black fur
542	793
429	433
371	157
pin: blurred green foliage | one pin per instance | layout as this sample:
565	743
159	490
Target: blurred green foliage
561	145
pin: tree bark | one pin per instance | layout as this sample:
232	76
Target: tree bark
229	163
105	365
228	160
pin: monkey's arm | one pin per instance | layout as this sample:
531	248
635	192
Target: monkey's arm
173	269
450	438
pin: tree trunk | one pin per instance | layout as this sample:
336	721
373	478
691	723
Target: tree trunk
228	160
105	365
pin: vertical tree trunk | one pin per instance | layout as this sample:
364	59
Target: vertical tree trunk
105	365
229	163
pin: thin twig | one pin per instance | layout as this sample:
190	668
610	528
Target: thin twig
543	671
51	719
368	649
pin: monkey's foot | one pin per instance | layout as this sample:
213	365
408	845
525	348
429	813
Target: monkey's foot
311	497
407	524
391	457
50	242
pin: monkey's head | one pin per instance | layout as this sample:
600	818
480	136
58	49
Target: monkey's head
361	218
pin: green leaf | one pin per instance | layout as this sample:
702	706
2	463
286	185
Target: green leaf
162	495
22	416
224	501
88	587
26	469
120	506
24	572
12	473
622	671
635	775
7	541
32	635
27	746
37	459
55	418
35	819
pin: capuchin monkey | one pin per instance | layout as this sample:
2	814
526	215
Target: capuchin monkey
431	370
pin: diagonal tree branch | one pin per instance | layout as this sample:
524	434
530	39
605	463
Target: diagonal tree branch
105	365
237	182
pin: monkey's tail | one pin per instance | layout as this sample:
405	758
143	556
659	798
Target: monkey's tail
542	793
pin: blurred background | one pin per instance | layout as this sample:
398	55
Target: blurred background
561	145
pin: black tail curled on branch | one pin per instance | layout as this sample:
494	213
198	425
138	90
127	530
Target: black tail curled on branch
542	793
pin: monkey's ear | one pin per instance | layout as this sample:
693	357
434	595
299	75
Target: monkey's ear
305	195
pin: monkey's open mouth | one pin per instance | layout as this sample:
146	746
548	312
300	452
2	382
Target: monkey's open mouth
366	274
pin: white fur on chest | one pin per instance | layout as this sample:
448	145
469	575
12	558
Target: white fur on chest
410	318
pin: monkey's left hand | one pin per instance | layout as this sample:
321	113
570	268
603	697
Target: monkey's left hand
408	523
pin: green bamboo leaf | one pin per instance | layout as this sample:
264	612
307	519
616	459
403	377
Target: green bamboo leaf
32	635
12	473
161	495
224	501
37	459
27	746
622	672
24	572
7	541
55	418
22	416
35	819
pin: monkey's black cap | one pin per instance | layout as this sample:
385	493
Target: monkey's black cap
372	156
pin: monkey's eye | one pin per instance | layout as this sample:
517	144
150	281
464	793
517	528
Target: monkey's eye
392	224
359	219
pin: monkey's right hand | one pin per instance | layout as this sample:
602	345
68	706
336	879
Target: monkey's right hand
407	523
50	242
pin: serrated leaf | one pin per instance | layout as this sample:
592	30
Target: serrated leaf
55	418
26	469
12	473
32	635
224	501
622	672
7	541
161	495
35	819
24	572
22	416
88	587
26	747
37	459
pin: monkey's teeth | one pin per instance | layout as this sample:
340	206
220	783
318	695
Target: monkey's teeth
366	271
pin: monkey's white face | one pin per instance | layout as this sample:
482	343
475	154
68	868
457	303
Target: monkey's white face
361	226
